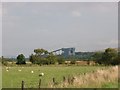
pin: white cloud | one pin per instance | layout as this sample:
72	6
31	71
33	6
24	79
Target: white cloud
76	13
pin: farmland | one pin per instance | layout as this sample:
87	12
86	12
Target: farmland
14	76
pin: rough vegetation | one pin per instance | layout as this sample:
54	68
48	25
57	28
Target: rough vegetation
95	79
109	57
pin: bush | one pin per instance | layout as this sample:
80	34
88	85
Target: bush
60	60
21	59
73	62
4	62
109	57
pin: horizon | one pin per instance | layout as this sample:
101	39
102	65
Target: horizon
56	49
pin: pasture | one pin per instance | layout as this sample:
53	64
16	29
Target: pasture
13	77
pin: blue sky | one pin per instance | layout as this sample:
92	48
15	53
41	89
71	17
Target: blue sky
86	26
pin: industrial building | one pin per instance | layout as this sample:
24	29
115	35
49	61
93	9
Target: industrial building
65	52
69	53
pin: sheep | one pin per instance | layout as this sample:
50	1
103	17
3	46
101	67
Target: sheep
41	74
6	67
19	70
32	71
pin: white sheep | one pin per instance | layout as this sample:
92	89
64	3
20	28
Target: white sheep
41	74
7	68
32	71
19	70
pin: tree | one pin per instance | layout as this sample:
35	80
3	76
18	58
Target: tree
97	57
4	61
116	61
73	62
60	60
33	59
52	59
42	57
109	57
21	59
40	51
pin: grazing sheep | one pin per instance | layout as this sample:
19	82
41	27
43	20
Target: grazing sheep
32	71
41	74
19	70
7	68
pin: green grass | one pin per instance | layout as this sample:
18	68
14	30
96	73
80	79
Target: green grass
13	78
110	85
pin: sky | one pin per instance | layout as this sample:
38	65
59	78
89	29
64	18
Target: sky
87	26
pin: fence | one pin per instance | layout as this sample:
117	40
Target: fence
54	83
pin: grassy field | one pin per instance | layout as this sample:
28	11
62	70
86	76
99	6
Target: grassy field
14	76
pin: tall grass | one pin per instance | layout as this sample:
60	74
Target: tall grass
96	79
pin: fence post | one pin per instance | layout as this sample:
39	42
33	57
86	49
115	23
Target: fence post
54	80
22	85
39	83
69	80
64	79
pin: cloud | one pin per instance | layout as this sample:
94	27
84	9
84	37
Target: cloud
76	13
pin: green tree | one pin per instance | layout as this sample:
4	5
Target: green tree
4	61
118	58
110	55
40	57
97	57
60	60
51	58
40	51
73	62
43	57
33	59
21	59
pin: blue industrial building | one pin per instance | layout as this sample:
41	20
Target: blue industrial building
65	52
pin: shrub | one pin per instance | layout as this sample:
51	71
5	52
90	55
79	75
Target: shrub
21	59
73	62
60	60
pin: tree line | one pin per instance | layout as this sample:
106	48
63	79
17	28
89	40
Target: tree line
42	57
109	57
